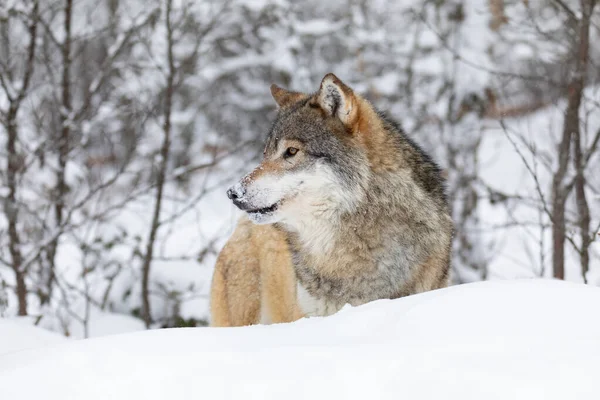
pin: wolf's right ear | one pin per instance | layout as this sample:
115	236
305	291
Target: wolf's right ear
285	98
337	99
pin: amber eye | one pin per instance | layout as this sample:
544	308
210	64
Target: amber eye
290	152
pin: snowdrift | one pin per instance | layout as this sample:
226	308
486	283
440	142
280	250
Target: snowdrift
490	340
19	334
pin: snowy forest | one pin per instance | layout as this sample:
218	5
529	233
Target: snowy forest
122	122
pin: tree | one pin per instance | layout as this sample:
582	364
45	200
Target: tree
16	89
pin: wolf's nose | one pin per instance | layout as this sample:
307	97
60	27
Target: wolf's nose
235	192
231	194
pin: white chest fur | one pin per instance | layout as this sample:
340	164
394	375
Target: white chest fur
313	307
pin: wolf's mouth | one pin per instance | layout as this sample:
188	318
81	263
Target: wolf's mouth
264	210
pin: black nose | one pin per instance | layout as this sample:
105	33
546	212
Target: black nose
235	192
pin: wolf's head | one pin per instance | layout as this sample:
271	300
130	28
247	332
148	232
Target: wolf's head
314	162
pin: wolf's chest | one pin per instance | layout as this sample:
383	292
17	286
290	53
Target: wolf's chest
315	307
330	278
320	293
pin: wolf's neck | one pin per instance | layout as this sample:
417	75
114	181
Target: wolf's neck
324	231
316	233
366	233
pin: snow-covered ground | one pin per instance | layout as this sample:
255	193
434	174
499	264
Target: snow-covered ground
528	339
19	334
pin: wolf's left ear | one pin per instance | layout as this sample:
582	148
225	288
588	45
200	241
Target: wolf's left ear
285	98
337	99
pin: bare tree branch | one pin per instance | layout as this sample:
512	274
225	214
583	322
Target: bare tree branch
162	170
566	9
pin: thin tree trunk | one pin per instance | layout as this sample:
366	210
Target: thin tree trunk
582	205
558	230
160	179
61	188
11	208
583	209
571	131
12	212
559	193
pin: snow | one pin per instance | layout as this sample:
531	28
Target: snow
529	339
19	334
105	323
387	84
317	27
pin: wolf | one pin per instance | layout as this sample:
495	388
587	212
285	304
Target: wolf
343	209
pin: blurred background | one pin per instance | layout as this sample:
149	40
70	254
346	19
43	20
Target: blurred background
123	121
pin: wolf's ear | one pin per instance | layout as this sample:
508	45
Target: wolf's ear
337	99
285	98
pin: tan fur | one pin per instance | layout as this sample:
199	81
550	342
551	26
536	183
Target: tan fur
254	275
285	98
368	126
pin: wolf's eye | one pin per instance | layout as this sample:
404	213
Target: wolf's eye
290	152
